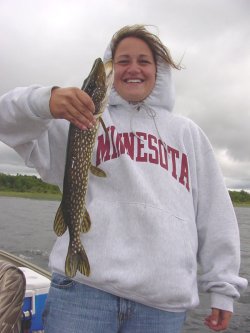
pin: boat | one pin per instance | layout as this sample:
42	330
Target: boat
19	262
23	292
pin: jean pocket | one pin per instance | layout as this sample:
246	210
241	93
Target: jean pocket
61	282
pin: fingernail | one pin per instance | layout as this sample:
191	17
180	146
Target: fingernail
214	322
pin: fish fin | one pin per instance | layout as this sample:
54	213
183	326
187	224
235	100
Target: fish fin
104	126
97	171
59	225
77	261
86	222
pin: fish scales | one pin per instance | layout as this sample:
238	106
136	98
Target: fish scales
72	213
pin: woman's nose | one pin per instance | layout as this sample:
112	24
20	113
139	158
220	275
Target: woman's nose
133	67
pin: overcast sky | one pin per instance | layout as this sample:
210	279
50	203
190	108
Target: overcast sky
54	42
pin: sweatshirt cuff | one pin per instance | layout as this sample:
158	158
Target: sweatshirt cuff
222	302
40	102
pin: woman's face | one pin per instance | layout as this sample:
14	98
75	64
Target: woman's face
135	69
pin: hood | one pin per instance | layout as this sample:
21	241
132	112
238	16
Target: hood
163	94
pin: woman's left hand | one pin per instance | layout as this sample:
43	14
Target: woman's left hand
218	320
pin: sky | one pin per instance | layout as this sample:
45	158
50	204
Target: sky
54	42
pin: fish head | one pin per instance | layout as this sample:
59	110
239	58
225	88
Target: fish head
98	84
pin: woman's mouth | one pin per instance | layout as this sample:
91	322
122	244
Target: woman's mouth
133	80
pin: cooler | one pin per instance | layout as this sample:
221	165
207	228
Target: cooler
37	287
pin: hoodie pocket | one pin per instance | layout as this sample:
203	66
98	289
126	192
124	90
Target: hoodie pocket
172	258
144	252
173	238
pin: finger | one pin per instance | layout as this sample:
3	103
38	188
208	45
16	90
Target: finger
84	109
83	106
225	319
218	320
79	120
215	316
85	100
85	117
212	320
212	327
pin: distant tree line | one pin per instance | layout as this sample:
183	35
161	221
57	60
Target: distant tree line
240	196
23	183
33	184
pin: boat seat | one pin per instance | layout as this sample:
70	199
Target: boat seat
12	291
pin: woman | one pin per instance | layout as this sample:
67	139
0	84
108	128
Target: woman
162	205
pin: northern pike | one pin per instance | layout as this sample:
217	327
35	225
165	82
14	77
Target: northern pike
72	213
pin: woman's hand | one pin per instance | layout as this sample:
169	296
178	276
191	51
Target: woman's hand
74	105
218	320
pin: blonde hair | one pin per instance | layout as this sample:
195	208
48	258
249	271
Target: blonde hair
154	43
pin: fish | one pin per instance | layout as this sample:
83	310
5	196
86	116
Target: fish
72	214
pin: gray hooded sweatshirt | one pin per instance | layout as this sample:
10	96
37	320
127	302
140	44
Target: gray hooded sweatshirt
162	209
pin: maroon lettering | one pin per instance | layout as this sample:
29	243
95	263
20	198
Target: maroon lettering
119	144
143	147
140	147
103	149
174	154
112	130
163	155
184	177
128	140
152	145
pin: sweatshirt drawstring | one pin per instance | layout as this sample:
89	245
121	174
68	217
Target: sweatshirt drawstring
151	113
136	107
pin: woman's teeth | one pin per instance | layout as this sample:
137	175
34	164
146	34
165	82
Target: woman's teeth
134	81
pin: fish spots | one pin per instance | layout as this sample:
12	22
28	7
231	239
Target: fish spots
73	214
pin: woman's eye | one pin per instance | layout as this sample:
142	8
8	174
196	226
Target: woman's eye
122	62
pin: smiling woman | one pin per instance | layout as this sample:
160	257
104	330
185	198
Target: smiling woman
161	210
135	69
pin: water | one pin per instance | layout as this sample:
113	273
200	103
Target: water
26	230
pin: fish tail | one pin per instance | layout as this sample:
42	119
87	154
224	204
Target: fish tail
77	261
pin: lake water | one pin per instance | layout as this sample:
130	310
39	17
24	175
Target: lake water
26	230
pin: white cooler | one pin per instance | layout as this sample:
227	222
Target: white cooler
37	287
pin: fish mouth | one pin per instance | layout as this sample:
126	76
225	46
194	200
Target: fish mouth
97	77
98	84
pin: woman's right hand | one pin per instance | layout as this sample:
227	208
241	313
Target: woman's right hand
74	105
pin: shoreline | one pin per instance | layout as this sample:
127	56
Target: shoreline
58	196
32	195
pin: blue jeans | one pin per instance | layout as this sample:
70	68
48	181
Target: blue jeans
73	307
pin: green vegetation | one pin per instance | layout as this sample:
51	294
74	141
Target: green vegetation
240	198
34	188
27	187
